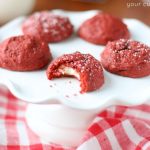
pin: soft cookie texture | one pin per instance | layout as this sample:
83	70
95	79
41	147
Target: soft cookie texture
84	67
24	53
49	27
103	28
127	58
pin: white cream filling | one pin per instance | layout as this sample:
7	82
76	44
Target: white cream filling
69	71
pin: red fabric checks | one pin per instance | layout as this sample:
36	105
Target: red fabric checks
116	128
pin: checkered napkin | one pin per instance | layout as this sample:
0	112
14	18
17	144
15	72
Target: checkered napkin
116	128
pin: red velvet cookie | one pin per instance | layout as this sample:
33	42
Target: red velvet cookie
50	27
103	28
24	53
127	58
82	66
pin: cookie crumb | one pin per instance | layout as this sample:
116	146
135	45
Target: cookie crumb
67	96
75	94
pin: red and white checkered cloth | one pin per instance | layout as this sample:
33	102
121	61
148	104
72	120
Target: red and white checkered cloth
116	128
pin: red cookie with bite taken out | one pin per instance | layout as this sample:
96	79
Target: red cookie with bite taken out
24	53
84	67
47	26
102	28
127	58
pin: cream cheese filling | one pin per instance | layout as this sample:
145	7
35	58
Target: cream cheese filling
69	71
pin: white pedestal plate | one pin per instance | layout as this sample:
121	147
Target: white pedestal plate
59	124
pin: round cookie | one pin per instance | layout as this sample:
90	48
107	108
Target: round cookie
24	53
49	27
103	28
127	58
84	67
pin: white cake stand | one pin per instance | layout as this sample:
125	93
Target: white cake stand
59	124
57	112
